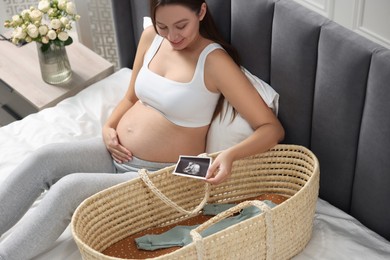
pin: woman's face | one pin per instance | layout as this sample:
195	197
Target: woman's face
179	24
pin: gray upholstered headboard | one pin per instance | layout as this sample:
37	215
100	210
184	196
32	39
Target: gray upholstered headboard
334	88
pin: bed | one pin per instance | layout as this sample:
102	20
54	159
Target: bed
338	232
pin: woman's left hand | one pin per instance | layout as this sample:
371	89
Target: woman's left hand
220	169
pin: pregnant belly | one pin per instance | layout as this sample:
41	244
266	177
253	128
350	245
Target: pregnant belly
150	136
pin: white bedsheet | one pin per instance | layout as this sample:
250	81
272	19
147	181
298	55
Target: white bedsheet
336	235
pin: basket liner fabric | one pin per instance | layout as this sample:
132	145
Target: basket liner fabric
280	233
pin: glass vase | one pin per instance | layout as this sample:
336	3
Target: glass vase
54	63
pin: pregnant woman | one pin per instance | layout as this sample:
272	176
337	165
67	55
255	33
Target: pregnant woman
182	72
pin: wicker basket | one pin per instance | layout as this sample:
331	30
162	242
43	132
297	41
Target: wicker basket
278	233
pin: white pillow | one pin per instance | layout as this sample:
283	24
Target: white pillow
224	132
147	22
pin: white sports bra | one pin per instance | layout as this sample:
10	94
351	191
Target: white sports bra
185	104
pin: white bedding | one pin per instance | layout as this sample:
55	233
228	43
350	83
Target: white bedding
336	235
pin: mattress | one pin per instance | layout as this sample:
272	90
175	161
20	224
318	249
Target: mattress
336	235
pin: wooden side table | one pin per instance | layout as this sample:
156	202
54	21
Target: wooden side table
22	90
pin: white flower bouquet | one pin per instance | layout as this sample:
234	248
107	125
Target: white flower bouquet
46	24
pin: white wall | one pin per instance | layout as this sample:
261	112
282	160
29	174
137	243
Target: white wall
370	18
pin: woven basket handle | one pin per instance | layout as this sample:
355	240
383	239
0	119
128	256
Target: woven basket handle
145	177
198	239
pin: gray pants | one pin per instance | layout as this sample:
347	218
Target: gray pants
71	172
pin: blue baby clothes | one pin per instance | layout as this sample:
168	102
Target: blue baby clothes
180	235
215	209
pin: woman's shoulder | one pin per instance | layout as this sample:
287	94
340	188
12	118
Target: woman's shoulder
147	37
214	51
218	56
219	69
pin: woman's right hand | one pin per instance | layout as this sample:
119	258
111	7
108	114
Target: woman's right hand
118	152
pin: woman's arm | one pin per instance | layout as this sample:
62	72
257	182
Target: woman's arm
223	75
118	152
